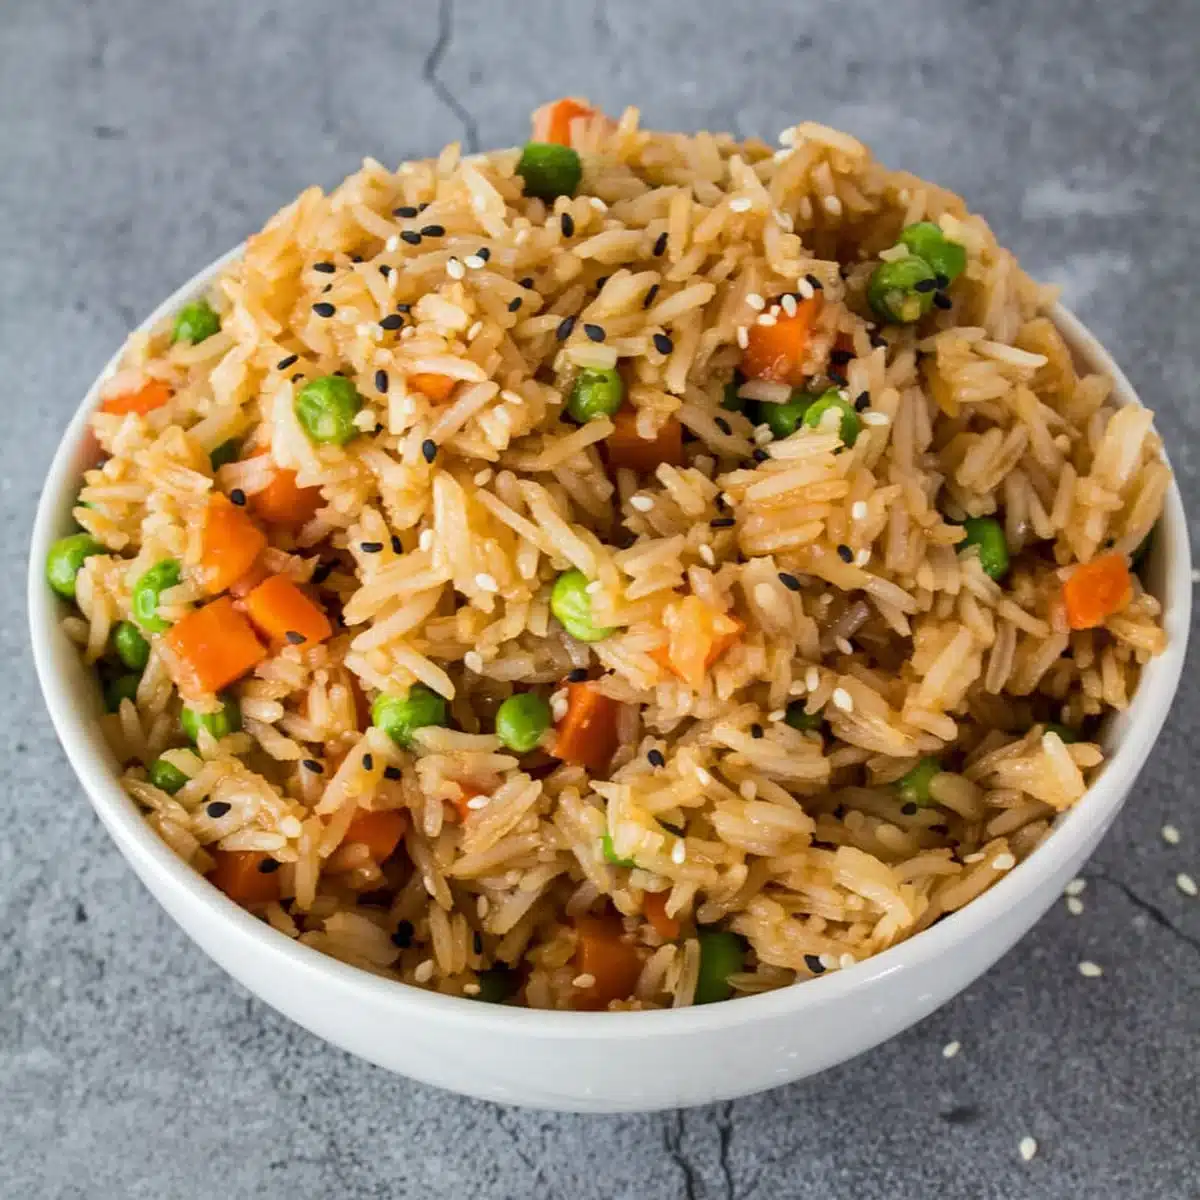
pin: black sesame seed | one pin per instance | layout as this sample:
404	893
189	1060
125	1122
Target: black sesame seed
238	497
299	375
835	377
663	344
650	295
368	762
514	304
477	942
578	675
568	224
327	288
405	210
218	808
403	308
321	572
284	363
908	809
789	581
295	637
384	270
862	400
756	730
381	381
403	937
397	544
411	236
370	547
484	253
942	281
392	773
814	282
324	309
422	206
840	357
595	332
943	301
429	449
311	764
356	258
391	321
722	523
433	231
760	455
925	285
268	866
656	759
660	244
526	283
878	341
326	268
565	326
814	964
723	425
845	553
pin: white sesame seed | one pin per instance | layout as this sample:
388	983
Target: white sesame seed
870	417
1170	835
706	553
765	319
407	332
832	205
594	588
584	981
862	557
743	336
842	700
477	802
1074	906
1003	862
474	331
1075	887
455	269
597	204
950	1049
787	137
471	989
475	262
473	661
846	961
843	644
482	477
1027	1148
756	302
679	852
812	679
290	827
804	288
393	243
1090	970
740	204
424	971
703	776
641	503
859	510
798	688
425	541
777	714
486	582
788	304
763	435
1186	884
558	705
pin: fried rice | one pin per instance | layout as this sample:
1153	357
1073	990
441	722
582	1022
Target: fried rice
755	786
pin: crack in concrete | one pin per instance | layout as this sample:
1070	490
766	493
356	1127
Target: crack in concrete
429	70
1156	914
673	1144
724	1135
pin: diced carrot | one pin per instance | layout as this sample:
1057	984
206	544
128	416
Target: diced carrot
380	832
151	395
282	503
239	874
613	964
229	543
1096	590
211	647
285	615
777	351
655	907
437	388
552	122
245	584
627	449
697	635
587	734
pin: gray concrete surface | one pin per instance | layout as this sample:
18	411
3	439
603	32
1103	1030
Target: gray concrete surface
138	140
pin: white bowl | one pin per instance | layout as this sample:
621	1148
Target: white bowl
601	1062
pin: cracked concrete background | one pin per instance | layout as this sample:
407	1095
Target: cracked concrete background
139	140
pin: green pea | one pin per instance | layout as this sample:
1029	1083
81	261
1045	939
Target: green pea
401	716
120	687
988	534
166	776
497	985
65	557
196	321
848	426
721	954
1066	734
730	400
611	856
914	787
149	587
226	452
521	720
571	604
903	290
798	718
783	419
132	649
326	408
596	392
226	720
926	240
549	170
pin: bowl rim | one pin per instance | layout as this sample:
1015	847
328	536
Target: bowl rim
162	871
